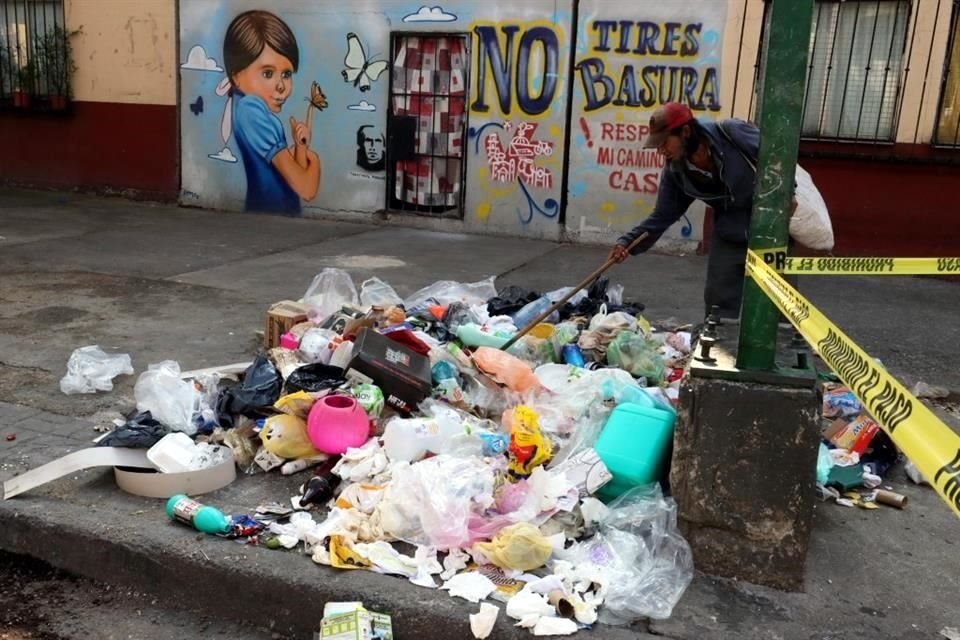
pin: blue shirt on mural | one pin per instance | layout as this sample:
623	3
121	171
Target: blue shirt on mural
260	136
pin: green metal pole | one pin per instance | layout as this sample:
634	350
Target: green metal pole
786	48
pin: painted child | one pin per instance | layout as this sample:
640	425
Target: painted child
260	55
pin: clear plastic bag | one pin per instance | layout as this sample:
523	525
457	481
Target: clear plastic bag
430	503
643	561
377	293
810	224
329	291
172	402
637	355
615	295
448	291
91	369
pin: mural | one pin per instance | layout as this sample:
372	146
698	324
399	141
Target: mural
624	69
276	94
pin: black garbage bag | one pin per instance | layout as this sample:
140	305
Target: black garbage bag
141	431
881	454
596	298
314	377
510	300
254	396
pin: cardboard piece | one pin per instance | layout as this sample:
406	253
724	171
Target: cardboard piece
357	625
281	317
74	462
403	375
149	483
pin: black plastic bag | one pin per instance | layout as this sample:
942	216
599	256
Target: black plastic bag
141	431
596	298
314	377
510	300
255	395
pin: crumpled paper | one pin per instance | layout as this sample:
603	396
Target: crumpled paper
481	623
555	627
528	603
471	586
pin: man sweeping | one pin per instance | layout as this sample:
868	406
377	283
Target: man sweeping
714	163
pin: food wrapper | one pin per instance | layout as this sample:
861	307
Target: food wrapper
370	397
839	402
343	555
528	446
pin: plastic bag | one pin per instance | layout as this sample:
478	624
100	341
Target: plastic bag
172	401
91	369
430	502
637	355
642	560
286	436
824	464
317	345
615	295
506	369
448	291
520	547
257	393
313	378
810	224
140	431
528	447
329	291
377	293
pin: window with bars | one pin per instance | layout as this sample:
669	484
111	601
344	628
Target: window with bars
857	52
35	61
948	115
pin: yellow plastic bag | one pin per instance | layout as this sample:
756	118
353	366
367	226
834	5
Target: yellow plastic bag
519	547
296	404
286	436
528	447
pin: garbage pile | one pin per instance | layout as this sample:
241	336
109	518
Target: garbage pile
855	453
527	476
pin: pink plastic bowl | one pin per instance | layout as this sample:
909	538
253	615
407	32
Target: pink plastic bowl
337	423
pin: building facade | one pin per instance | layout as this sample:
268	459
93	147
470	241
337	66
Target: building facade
505	118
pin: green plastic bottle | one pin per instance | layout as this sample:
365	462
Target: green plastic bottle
199	516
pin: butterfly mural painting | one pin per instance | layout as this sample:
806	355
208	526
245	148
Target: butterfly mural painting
359	70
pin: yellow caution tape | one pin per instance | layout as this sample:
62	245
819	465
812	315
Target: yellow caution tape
932	446
776	257
871	266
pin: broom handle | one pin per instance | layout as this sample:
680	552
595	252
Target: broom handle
589	280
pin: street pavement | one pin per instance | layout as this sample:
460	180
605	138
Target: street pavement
161	282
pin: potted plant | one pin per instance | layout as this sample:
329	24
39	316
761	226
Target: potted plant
26	84
56	59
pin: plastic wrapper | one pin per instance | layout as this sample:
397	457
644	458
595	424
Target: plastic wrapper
140	431
535	351
172	401
430	502
506	369
91	369
637	355
447	291
528	446
314	378
257	393
377	293
519	547
329	291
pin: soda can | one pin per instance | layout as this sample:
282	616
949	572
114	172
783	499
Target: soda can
573	356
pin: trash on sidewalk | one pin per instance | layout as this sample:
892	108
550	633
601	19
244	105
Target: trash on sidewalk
91	369
409	424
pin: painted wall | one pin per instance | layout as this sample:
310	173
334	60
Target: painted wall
120	133
632	56
516	99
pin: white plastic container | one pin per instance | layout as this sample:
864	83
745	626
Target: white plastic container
173	453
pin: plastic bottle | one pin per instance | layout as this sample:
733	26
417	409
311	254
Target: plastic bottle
474	336
573	356
410	439
531	312
199	516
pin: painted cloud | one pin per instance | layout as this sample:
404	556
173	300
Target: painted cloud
224	155
430	14
363	105
197	60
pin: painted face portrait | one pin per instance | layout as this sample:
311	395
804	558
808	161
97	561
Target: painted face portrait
371	145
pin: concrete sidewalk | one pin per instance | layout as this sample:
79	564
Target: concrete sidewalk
162	283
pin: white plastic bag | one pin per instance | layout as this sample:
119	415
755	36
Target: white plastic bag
172	402
447	291
330	290
377	293
810	223
91	369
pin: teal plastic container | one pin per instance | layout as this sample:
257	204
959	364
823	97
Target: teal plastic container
635	446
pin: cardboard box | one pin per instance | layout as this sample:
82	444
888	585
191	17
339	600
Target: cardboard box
403	375
281	317
357	625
